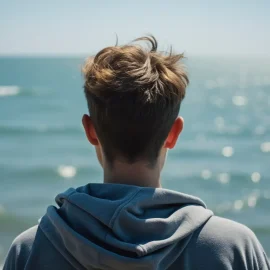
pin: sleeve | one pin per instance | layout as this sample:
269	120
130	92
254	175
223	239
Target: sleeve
20	250
229	245
255	253
246	250
10	262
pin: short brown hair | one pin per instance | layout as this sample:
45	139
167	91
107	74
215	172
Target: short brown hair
134	96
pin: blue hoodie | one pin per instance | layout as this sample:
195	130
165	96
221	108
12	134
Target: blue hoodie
113	226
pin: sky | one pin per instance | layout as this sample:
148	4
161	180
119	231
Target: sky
81	27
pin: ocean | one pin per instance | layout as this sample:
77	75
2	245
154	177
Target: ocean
222	156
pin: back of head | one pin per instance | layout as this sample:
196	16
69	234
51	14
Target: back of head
134	95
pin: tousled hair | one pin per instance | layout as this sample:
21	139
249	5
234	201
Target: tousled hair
134	95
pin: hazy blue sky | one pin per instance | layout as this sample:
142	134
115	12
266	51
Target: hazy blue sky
84	26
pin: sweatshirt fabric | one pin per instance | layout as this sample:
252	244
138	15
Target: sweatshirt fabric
115	226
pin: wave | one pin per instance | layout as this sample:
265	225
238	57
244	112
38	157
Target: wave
238	132
19	130
256	198
9	90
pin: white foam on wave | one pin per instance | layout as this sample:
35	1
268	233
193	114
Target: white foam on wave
9	90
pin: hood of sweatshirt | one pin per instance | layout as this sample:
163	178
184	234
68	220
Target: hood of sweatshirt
115	226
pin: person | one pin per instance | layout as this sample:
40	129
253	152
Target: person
130	222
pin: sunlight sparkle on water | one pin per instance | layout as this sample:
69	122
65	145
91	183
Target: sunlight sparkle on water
10	90
238	205
265	147
206	174
227	151
252	200
239	100
255	177
224	178
67	171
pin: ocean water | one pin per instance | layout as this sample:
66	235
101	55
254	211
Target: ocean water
222	156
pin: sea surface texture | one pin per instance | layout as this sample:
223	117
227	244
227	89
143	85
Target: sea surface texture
222	156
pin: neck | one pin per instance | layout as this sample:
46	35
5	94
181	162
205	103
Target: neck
137	174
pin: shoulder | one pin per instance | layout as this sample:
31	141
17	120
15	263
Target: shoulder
230	233
229	244
26	237
24	241
20	249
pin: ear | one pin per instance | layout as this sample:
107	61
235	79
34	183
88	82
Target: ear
89	129
174	133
